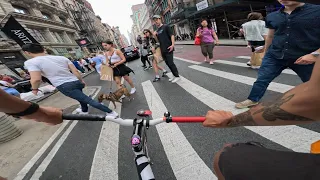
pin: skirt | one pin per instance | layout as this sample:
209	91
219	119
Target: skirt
122	70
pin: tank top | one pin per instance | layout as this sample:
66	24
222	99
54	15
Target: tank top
114	58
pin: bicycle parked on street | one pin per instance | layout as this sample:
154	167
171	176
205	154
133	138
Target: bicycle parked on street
139	137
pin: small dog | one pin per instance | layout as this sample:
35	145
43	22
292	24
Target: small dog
115	96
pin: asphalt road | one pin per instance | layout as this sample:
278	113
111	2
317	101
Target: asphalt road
96	150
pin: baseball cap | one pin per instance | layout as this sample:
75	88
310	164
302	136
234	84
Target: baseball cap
156	17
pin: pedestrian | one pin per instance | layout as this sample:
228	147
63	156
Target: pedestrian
9	88
150	43
98	60
116	60
77	65
57	70
208	39
166	38
144	54
293	41
255	32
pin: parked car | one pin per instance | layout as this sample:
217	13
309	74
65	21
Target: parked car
131	53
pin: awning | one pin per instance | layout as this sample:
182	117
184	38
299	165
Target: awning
231	5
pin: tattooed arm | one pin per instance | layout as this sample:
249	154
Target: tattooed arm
300	105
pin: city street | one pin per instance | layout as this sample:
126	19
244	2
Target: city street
102	150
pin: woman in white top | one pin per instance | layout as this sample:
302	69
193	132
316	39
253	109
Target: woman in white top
255	31
116	60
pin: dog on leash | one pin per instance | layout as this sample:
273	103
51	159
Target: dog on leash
115	96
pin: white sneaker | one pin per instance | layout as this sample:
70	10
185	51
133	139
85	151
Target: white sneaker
176	79
171	79
79	110
205	60
255	67
248	63
211	62
133	90
113	114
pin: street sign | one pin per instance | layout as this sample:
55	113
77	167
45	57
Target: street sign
202	5
14	30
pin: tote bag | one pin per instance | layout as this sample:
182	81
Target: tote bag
106	73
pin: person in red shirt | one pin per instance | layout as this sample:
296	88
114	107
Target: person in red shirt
6	78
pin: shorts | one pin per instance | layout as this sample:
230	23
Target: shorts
12	91
248	161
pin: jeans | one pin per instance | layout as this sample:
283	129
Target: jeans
168	58
74	91
207	49
12	91
272	68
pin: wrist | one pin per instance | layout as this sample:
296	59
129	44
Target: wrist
31	109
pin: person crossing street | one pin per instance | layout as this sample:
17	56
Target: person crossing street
57	70
166	38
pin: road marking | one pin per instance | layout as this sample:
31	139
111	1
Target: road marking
105	161
277	87
36	157
53	151
286	71
292	137
244	57
184	160
187	60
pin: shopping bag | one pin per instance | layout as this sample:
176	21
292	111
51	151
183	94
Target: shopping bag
106	73
197	40
256	59
158	56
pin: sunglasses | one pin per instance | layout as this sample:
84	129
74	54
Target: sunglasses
145	32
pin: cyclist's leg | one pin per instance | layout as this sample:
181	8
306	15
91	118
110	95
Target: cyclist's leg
246	161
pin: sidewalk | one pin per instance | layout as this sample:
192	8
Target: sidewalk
17	152
223	42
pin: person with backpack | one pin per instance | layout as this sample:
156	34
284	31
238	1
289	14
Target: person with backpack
208	39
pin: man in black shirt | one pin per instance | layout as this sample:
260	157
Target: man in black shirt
166	39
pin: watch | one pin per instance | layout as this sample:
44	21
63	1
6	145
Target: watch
316	54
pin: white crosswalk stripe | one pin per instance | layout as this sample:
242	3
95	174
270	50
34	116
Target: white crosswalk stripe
288	136
244	57
277	87
184	160
286	71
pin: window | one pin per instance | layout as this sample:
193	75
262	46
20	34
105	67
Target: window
63	20
58	37
45	15
37	34
20	10
164	4
167	17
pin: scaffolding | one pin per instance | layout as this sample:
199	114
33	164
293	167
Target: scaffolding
81	15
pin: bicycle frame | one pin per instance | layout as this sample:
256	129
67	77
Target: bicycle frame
139	137
138	141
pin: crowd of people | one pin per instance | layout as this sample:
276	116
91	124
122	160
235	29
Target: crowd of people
292	41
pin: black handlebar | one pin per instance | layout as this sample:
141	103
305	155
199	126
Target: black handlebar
84	117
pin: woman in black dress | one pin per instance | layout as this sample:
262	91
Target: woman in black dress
116	60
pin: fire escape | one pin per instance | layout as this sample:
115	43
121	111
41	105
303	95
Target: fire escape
85	22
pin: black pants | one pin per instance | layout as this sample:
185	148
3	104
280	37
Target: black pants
168	58
145	59
255	44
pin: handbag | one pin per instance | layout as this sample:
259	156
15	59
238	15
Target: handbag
197	40
106	73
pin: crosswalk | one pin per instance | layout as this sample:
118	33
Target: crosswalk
181	151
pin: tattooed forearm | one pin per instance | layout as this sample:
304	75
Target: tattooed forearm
274	112
243	119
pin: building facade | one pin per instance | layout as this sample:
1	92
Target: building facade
226	15
145	20
47	21
162	8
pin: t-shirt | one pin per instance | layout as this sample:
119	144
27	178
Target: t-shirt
4	85
255	30
164	37
55	68
98	60
207	35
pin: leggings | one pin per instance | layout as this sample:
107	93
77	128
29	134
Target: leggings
207	49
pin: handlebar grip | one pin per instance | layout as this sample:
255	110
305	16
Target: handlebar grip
188	119
83	117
